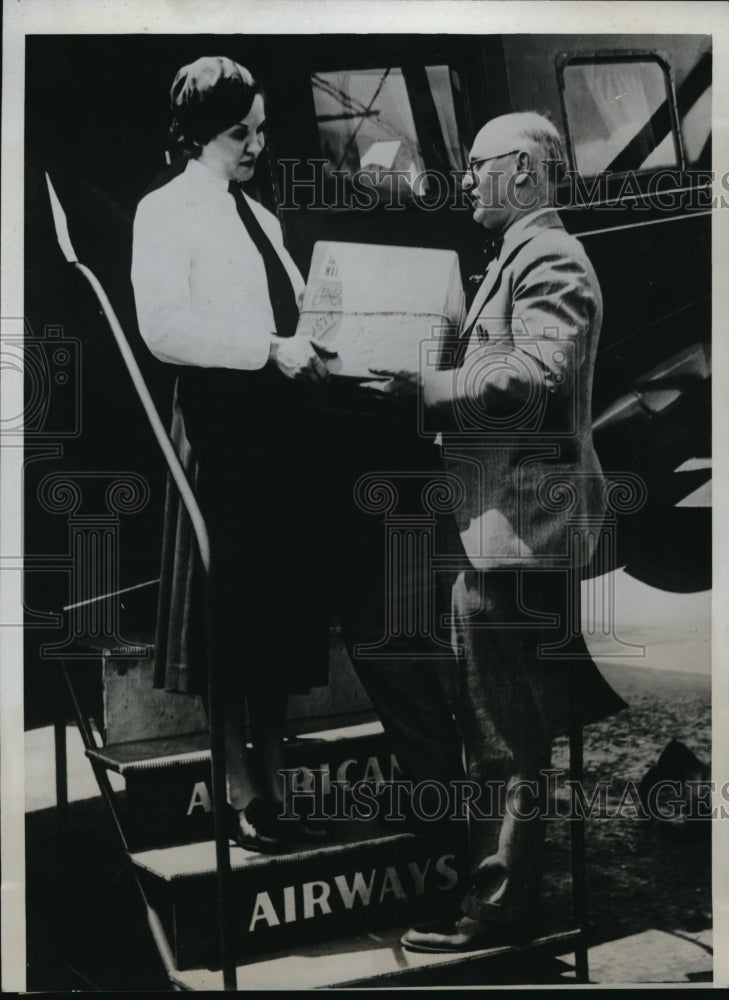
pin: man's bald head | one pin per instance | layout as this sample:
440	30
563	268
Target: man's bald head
521	129
515	160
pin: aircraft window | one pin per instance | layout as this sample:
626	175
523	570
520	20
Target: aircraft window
367	123
619	115
442	81
696	126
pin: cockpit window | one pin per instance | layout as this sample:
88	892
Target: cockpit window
620	114
395	124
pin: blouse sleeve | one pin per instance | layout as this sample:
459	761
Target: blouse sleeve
161	268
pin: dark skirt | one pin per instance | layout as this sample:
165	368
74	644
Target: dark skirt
251	444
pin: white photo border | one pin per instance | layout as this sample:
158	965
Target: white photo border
29	17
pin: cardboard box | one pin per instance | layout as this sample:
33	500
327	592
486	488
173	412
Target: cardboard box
375	305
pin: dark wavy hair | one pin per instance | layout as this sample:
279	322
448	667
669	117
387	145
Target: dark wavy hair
208	96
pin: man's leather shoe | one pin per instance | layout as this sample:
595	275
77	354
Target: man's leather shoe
461	934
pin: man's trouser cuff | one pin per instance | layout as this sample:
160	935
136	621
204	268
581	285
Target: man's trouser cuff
491	913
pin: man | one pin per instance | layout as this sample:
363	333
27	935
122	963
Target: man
512	399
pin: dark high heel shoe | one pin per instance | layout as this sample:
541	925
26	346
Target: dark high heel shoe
300	831
256	828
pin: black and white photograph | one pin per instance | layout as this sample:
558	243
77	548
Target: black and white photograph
358	444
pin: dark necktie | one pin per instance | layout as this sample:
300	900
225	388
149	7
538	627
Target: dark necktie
491	252
280	289
493	249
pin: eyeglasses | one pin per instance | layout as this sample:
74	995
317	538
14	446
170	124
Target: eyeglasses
475	164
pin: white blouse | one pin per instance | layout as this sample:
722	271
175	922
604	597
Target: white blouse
199	281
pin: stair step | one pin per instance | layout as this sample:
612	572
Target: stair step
164	751
187	861
364	879
168	789
134	710
373	958
171	751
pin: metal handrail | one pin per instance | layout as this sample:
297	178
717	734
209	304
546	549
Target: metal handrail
215	701
107	793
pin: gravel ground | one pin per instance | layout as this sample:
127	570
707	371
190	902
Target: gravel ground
641	874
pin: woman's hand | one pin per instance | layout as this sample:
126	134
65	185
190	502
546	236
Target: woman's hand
397	384
296	358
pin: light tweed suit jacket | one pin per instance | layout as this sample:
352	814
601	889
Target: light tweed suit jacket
513	399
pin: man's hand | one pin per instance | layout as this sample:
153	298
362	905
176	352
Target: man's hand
395	384
296	358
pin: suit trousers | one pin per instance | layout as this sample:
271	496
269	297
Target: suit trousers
506	686
502	622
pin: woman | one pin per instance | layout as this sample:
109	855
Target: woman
217	295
